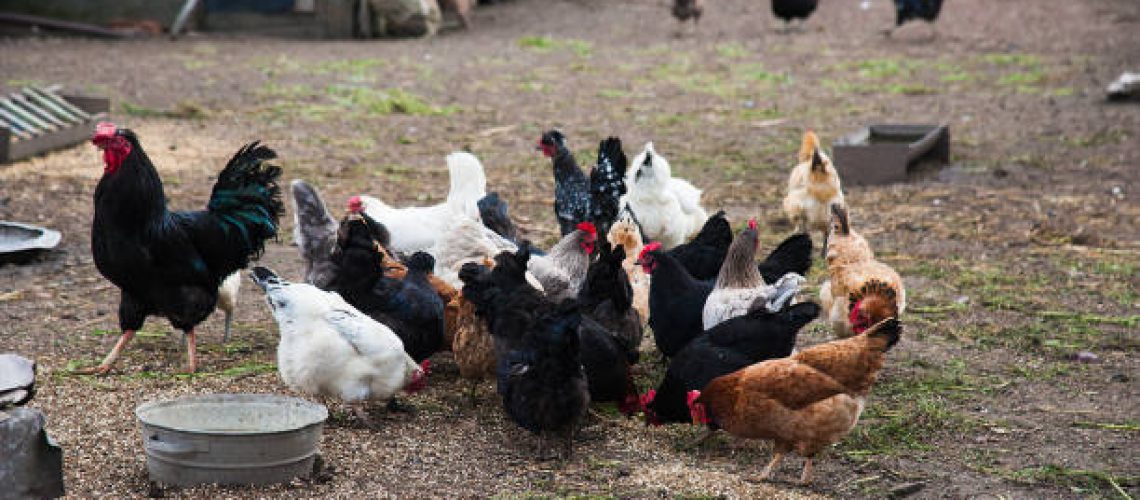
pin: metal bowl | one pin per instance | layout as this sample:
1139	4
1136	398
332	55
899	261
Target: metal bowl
230	438
20	242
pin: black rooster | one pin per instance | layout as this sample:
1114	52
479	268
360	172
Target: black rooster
171	263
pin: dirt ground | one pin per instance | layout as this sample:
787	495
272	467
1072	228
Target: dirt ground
1018	256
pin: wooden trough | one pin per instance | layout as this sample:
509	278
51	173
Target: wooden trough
881	154
38	120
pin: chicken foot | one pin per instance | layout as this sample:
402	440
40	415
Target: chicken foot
361	411
105	366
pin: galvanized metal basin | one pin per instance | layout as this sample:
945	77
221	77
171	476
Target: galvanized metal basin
230	438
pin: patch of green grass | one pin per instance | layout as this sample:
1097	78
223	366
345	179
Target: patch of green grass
878	68
757	73
959	76
1022	60
613	93
1084	480
380	102
910	413
544	44
183	110
357	70
1129	426
1098	138
732	50
249	368
1022	78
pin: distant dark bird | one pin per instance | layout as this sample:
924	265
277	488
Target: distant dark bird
790	10
684	10
607	184
907	10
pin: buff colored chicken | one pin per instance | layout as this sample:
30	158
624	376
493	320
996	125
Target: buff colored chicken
813	188
803	403
625	234
861	291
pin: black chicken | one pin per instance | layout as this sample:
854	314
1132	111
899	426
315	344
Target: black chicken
541	380
676	300
539	369
611	330
409	306
727	347
907	10
703	255
171	263
790	10
684	10
607	184
571	187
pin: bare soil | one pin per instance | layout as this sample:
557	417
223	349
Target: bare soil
1018	256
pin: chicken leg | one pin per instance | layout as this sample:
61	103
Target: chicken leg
805	477
191	351
767	472
105	366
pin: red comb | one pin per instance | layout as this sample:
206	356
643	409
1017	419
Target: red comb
692	396
426	367
649	247
752	224
588	227
355	204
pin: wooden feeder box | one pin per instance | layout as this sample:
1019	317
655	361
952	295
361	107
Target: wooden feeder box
881	154
38	120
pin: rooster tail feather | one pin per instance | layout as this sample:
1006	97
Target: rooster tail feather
888	331
808	146
610	149
246	198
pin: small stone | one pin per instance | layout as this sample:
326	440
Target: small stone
937	202
962	299
906	489
1086	357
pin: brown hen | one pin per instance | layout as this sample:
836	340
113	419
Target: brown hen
803	403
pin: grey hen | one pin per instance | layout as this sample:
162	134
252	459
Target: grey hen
314	230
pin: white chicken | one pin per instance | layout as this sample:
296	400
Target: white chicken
466	240
668	208
416	229
330	349
740	287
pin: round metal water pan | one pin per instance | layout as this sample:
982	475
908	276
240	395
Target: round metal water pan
230	438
